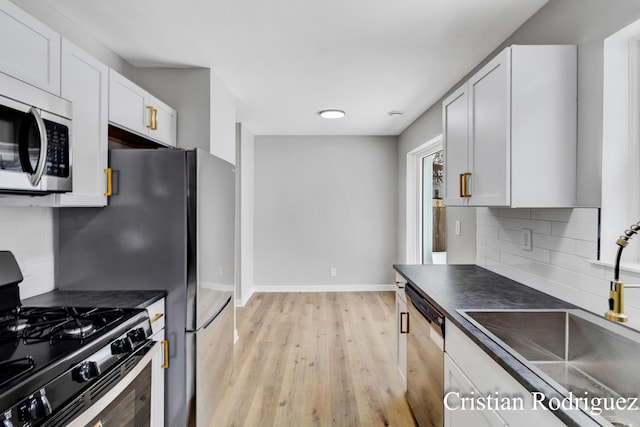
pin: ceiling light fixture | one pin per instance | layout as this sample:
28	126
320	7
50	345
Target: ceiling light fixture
332	114
395	113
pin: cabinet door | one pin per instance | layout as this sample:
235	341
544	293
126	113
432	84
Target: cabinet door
128	104
85	83
489	139
30	51
166	121
455	126
456	386
159	363
402	323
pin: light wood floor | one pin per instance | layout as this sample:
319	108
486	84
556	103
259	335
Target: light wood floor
315	359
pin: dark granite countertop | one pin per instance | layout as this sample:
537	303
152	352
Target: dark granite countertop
454	287
102	299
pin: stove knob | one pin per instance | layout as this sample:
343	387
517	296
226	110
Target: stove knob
122	345
137	335
34	408
7	420
85	371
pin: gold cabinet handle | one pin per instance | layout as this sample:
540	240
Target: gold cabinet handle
155	119
465	184
157	317
109	191
165	345
150	125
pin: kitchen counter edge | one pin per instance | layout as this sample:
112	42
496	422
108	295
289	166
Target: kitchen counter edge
100	299
459	287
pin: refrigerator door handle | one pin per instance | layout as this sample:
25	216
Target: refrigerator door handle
208	322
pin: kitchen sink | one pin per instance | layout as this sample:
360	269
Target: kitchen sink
574	351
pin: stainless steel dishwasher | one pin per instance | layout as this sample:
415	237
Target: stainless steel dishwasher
425	360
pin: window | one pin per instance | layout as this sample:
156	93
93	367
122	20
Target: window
426	215
621	143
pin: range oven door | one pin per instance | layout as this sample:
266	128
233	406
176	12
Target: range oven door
130	401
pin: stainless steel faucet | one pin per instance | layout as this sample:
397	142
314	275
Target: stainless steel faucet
616	293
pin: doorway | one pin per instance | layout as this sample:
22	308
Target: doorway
426	214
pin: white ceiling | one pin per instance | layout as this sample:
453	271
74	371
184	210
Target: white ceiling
284	60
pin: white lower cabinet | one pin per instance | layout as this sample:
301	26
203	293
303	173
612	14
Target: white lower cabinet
458	387
402	328
159	363
469	369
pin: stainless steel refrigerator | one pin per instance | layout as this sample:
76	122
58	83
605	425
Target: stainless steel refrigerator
169	225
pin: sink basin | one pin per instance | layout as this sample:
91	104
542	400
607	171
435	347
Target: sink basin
574	351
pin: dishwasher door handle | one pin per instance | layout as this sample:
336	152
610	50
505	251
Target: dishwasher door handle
402	314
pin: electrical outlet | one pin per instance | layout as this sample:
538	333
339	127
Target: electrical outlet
457	227
333	272
525	239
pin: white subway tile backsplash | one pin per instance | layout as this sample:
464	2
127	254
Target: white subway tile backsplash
488	230
562	215
564	242
575	230
515	213
536	226
587	249
554	243
28	233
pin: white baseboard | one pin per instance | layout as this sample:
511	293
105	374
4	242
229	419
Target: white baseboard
314	288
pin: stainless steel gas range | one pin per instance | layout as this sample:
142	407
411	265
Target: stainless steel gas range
71	365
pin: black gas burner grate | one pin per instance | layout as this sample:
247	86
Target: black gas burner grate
45	324
12	369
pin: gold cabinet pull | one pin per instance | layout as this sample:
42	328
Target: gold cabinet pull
157	317
461	179
109	191
150	125
165	346
465	184
155	119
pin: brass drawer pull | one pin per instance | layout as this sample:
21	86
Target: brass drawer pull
165	345
109	191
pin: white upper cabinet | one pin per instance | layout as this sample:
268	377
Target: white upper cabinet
85	84
136	110
30	50
165	122
455	128
510	131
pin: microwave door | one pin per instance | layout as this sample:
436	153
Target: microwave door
13	117
32	146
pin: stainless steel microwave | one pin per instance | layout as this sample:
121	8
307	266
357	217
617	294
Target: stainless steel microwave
35	139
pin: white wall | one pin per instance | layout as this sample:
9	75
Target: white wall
246	166
28	233
186	90
223	121
323	202
565	242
